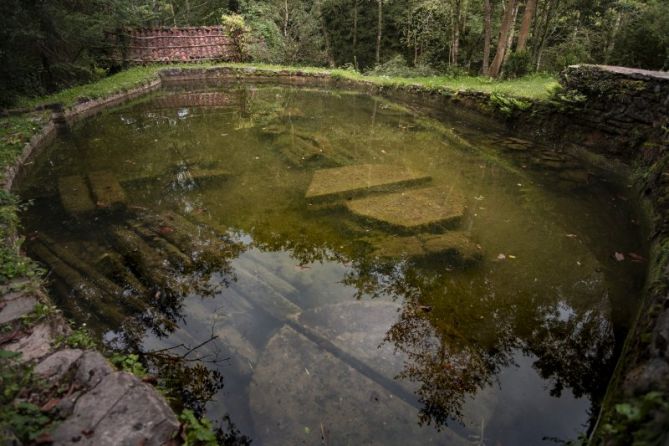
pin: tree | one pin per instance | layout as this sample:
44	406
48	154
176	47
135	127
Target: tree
487	12
528	17
508	20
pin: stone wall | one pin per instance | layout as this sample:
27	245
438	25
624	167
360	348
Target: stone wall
617	108
629	110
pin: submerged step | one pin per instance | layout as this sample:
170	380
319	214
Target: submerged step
455	243
106	189
351	180
75	195
321	374
412	208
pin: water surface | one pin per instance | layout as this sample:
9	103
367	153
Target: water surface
308	323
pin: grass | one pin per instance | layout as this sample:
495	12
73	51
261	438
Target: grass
531	87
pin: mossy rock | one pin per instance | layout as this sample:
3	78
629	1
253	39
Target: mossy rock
75	195
412	209
455	244
349	181
106	189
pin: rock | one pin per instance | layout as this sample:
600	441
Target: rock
56	365
455	243
38	343
106	189
413	208
354	180
410	246
120	410
75	196
92	367
16	306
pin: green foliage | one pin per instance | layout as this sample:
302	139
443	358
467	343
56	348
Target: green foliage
508	105
236	28
39	313
564	99
398	67
643	40
518	64
79	338
129	363
18	415
627	421
197	432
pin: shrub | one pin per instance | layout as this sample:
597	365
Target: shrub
518	64
398	67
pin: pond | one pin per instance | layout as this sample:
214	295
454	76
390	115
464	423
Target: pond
329	267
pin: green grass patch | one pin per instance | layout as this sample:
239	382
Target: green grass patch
533	87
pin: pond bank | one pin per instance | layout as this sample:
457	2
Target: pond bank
542	120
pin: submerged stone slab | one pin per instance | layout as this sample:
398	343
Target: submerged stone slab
455	243
413	208
75	195
352	180
106	189
302	394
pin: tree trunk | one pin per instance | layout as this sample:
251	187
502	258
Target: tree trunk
612	38
509	40
456	34
355	34
379	27
551	6
285	18
504	30
487	11
326	35
528	17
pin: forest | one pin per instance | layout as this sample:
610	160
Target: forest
48	45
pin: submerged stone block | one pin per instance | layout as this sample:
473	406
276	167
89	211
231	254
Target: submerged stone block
352	180
106	189
75	195
412	208
325	378
455	243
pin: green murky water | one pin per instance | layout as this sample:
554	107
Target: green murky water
461	287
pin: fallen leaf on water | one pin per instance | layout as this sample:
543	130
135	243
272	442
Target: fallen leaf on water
619	256
511	256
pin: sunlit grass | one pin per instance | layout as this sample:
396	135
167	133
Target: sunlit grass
534	86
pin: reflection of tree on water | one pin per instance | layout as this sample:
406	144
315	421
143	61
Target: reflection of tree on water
145	265
457	339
